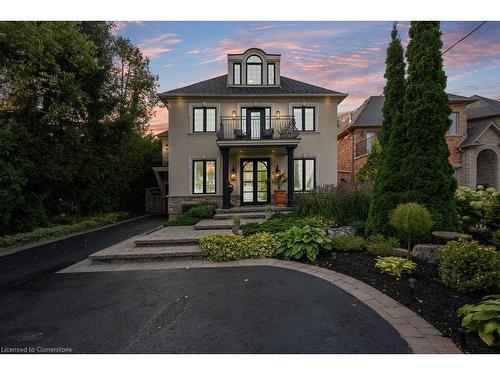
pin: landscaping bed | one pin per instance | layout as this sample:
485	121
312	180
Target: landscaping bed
433	301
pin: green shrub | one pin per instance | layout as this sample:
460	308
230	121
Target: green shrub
299	242
43	234
395	266
343	203
468	266
411	221
380	245
280	222
204	211
496	238
182	220
221	247
483	318
478	209
186	207
359	226
349	244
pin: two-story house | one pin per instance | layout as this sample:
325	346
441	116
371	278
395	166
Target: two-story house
472	139
228	134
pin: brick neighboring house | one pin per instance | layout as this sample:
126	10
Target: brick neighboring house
228	134
473	139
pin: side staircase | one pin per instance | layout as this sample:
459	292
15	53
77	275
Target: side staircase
178	243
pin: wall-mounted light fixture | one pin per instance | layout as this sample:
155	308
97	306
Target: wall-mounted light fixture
278	114
232	175
234	114
277	170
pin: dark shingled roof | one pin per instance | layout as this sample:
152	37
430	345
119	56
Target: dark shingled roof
483	107
475	132
218	87
369	114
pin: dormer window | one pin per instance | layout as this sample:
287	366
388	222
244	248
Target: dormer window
237	74
254	70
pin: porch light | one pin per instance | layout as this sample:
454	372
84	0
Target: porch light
277	170
234	114
232	176
278	114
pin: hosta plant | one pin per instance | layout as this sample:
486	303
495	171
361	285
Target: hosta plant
296	242
483	318
395	266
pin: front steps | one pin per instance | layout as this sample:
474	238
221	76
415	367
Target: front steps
211	224
237	210
150	254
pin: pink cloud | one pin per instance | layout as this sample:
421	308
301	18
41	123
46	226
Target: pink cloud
152	52
155	46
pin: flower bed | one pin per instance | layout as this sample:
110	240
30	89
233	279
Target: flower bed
433	301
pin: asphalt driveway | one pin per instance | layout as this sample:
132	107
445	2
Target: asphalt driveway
209	310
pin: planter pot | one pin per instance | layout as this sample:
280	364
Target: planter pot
236	229
280	197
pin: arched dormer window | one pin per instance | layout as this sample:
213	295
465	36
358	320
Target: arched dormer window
254	70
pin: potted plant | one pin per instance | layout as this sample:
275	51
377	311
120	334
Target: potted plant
236	224
270	210
279	179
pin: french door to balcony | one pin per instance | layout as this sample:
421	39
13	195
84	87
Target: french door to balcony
255	181
255	121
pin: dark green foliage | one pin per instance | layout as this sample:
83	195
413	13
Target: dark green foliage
415	165
297	243
369	170
192	213
468	266
344	203
483	318
75	224
392	141
359	226
281	222
186	207
380	245
75	101
349	244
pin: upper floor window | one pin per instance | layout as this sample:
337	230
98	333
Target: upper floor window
453	130
254	70
304	118
370	138
204	119
237	74
270	74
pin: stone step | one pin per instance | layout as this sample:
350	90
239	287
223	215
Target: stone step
243	209
242	215
166	242
149	254
211	224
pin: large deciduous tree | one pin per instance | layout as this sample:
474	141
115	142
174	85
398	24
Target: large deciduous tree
388	184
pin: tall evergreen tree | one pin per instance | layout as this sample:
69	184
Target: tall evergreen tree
426	171
392	140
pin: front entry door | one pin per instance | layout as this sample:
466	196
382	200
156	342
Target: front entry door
255	181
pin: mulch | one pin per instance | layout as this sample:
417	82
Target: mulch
433	301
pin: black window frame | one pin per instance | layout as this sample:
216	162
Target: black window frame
261	71
204	120
204	176
304	174
302	127
234	76
274	73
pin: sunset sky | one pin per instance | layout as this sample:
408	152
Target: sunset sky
343	56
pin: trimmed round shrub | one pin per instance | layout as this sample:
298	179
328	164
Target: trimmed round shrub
380	245
206	211
468	266
411	221
349	244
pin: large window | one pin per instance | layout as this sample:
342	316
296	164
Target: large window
370	138
270	74
254	70
203	176
304	174
304	118
237	74
453	130
204	119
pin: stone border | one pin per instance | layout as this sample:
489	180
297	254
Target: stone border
421	336
14	250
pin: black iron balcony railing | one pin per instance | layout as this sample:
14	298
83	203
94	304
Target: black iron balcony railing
158	161
365	146
256	128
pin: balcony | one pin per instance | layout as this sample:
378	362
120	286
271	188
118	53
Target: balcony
257	128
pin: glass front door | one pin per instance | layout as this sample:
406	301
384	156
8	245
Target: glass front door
255	181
